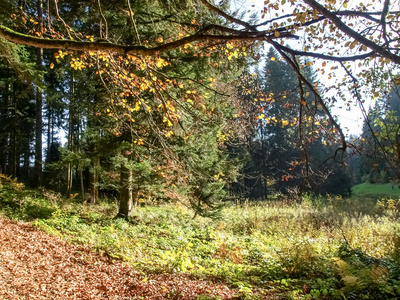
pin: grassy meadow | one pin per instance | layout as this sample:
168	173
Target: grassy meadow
383	190
322	248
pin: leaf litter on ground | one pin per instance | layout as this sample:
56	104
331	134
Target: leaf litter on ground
35	265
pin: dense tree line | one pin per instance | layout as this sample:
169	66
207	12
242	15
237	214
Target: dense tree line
144	95
378	151
288	151
98	137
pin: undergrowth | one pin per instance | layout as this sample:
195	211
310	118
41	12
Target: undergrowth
323	248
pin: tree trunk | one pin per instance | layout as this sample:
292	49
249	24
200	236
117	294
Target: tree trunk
264	170
25	170
38	140
82	184
4	134
94	188
37	180
79	149
70	145
49	130
13	148
13	135
126	193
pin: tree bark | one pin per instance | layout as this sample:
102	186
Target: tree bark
49	130
94	188
126	193
13	136
5	136
70	145
37	179
70	45
82	184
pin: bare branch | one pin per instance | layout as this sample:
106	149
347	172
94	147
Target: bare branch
326	57
61	19
367	120
105	22
133	23
228	17
316	94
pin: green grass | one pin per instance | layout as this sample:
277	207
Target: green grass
323	248
384	190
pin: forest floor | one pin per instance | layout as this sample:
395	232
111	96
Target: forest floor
322	248
35	265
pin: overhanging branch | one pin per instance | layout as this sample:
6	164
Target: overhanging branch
352	33
38	42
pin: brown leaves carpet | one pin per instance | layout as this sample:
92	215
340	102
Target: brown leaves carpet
34	265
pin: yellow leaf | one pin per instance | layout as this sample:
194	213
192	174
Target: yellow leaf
272	58
51	66
159	62
276	33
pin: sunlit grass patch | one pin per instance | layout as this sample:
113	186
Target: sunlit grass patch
385	189
321	248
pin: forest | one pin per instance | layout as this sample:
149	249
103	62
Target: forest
196	142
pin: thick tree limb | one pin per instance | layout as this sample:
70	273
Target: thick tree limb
383	19
352	33
38	42
376	49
